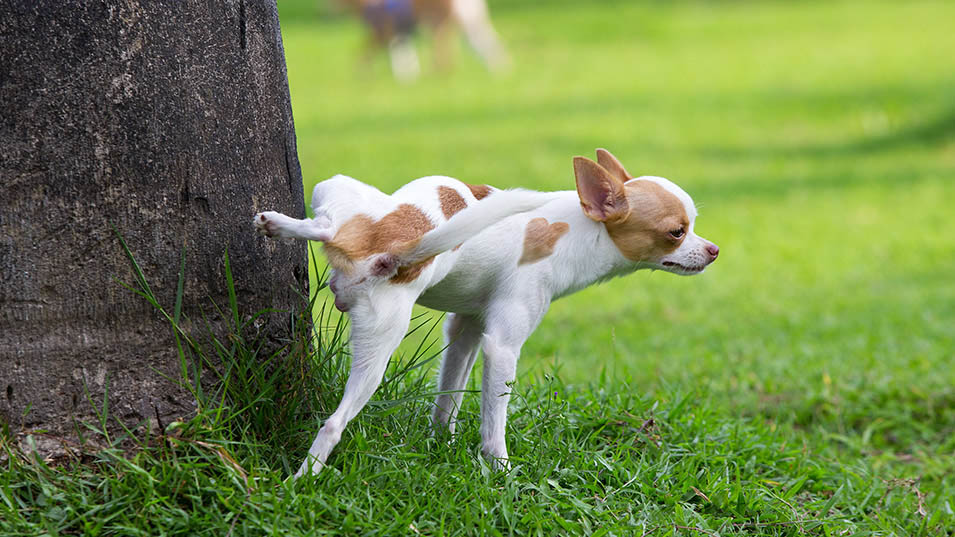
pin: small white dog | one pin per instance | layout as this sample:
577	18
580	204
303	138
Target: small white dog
494	259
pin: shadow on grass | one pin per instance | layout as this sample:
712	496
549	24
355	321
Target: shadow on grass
780	185
938	129
901	420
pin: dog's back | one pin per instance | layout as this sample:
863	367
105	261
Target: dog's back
406	230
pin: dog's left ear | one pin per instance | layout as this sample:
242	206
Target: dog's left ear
611	164
602	195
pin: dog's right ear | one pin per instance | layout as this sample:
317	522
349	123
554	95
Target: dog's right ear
602	195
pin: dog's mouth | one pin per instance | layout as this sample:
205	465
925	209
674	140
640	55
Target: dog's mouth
683	269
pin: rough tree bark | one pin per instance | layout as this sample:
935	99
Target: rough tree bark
171	121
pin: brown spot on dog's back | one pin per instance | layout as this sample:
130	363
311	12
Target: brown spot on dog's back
645	232
361	237
480	191
540	237
451	201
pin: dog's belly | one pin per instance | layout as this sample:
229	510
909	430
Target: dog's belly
466	280
466	288
456	294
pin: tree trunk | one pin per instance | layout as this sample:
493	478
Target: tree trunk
170	121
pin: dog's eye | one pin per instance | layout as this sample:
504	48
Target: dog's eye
678	233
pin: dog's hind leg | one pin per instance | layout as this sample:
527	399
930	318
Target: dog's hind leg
274	224
463	334
376	331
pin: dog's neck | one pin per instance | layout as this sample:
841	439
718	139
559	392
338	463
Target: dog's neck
586	254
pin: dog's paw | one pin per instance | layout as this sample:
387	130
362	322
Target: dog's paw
501	465
266	223
310	466
497	458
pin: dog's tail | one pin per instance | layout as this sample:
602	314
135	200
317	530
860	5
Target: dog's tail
472	220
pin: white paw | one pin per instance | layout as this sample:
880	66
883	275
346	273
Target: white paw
266	223
501	465
498	459
309	466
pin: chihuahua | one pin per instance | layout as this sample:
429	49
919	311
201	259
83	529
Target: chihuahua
493	259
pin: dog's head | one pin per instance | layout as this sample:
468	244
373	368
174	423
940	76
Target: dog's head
649	219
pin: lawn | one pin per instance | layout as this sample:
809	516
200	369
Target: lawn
804	384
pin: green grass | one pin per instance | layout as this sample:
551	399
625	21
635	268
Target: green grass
802	385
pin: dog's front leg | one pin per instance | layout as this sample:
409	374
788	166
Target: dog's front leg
508	327
404	59
462	334
500	367
375	334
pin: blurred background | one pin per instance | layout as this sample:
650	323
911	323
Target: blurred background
818	139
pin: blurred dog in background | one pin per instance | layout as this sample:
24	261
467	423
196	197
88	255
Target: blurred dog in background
392	23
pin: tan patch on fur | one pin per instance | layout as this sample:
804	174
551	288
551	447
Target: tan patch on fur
644	234
540	237
479	191
410	273
361	237
451	201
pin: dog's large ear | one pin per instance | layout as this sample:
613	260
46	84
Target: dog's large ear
602	195
611	164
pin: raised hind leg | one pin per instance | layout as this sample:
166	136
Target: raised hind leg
376	331
274	224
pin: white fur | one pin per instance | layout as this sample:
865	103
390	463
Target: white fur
495	303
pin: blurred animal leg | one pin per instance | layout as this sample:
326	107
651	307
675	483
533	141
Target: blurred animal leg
443	44
475	21
404	59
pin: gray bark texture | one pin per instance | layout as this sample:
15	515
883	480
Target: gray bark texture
171	121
